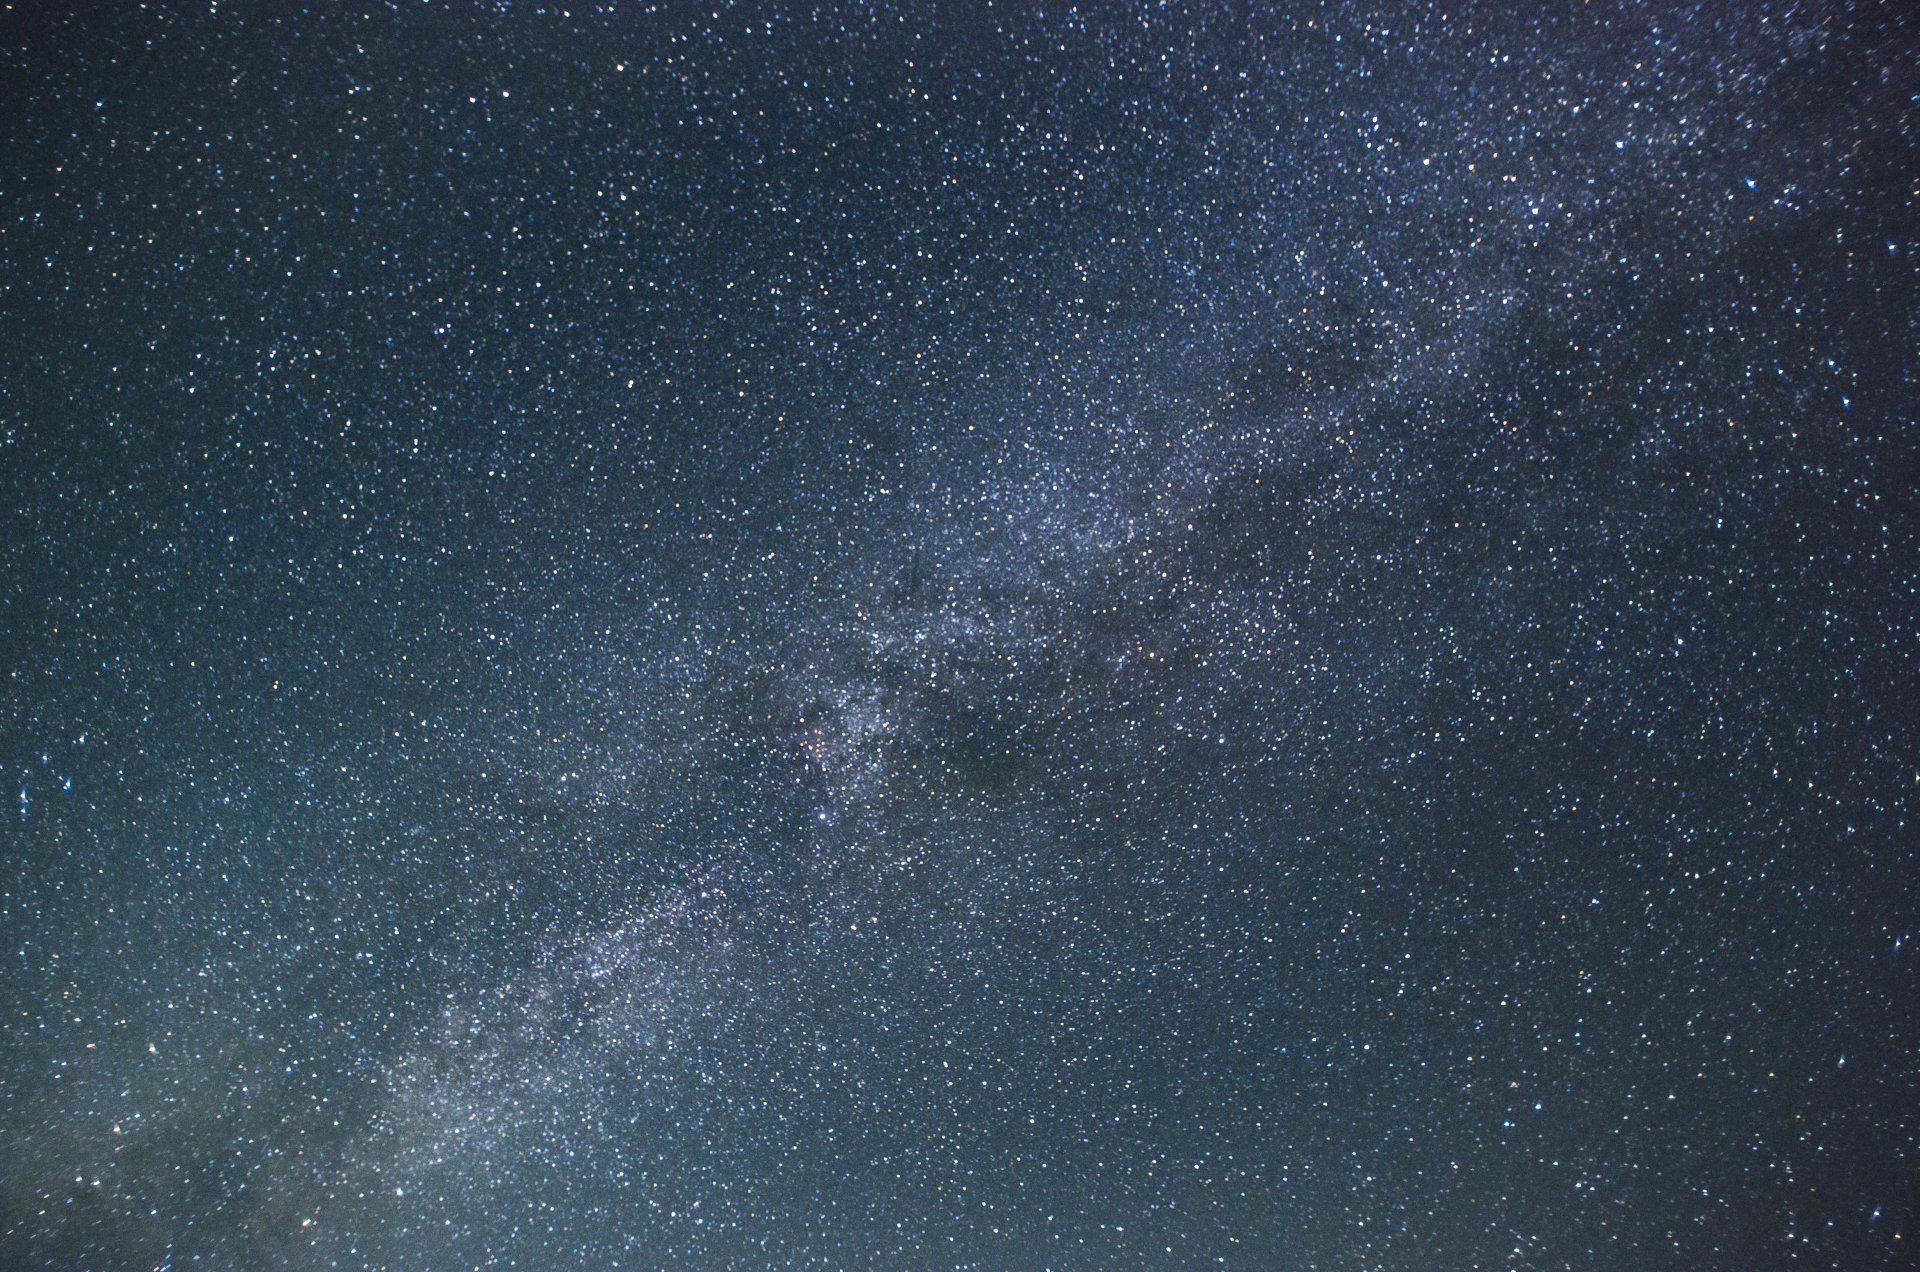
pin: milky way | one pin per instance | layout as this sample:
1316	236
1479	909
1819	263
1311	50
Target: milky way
975	636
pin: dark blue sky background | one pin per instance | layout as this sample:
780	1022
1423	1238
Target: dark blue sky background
958	636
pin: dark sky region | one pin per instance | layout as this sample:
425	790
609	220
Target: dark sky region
909	635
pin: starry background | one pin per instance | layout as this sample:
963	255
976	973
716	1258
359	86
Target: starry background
958	636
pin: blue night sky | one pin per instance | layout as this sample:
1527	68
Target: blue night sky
920	636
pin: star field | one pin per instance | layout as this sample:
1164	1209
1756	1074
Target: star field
959	636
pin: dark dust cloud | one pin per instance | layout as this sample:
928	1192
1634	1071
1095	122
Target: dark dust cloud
956	636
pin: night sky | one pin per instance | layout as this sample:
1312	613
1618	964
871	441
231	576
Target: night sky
914	636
